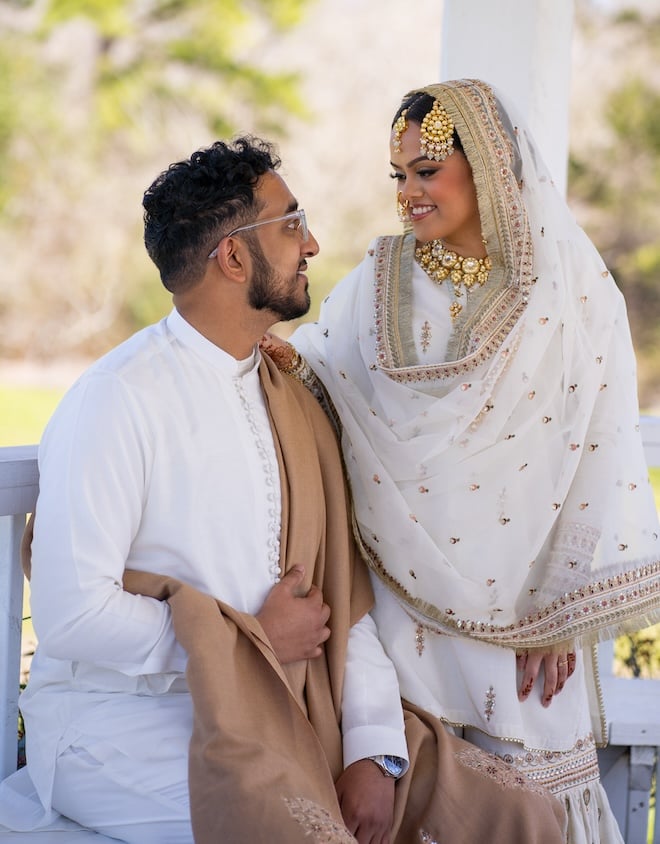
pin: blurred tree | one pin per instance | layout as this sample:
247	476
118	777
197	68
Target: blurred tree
97	96
621	188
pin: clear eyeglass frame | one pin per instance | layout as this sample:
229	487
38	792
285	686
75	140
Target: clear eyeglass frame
298	215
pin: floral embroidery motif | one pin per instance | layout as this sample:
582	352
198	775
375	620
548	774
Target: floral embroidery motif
489	708
497	769
318	822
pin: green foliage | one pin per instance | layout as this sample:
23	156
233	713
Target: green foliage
96	96
25	113
110	17
7	121
147	303
638	654
654	475
175	52
633	111
622	188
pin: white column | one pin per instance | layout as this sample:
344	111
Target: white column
523	48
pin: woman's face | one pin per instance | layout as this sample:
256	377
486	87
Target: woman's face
442	197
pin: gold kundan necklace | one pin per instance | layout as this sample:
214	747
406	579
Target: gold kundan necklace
440	263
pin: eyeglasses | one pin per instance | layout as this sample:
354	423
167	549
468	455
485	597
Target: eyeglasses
297	218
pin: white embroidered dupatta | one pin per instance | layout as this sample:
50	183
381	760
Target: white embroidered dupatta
500	493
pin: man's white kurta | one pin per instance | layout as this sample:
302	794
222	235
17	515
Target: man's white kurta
161	459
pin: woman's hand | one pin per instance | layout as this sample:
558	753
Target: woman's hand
558	665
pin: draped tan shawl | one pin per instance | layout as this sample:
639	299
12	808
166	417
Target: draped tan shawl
266	746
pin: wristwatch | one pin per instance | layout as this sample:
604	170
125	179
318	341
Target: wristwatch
391	766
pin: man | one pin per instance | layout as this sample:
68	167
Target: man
194	571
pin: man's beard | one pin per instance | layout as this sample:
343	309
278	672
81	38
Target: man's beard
270	291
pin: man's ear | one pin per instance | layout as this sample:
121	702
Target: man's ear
234	259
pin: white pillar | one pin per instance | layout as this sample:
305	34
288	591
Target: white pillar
522	47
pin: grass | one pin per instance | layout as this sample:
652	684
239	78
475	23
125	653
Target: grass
24	412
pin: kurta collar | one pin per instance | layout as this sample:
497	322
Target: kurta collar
191	338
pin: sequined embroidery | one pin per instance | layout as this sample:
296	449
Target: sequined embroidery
419	639
426	336
560	771
615	598
492	766
489	708
318	822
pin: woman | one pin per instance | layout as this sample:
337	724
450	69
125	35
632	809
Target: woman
482	370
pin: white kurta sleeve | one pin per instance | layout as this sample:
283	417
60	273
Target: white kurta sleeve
94	480
372	715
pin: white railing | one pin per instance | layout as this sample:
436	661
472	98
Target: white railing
628	764
19	483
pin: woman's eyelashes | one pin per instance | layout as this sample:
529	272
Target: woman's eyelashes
423	174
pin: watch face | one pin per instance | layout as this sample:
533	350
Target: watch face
394	765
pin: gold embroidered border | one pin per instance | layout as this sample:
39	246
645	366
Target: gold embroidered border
475	113
504	771
495	327
559	771
606	604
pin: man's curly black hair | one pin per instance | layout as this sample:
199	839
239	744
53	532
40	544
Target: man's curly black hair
194	203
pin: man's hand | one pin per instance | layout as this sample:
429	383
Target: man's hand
296	624
558	665
366	798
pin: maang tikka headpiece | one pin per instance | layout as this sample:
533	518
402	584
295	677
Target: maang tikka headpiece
436	133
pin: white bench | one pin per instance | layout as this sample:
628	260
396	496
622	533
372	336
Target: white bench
19	481
632	706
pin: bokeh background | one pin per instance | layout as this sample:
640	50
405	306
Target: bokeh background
98	96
